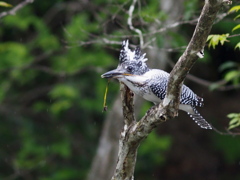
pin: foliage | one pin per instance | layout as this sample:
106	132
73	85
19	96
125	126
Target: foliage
48	89
237	46
235	120
216	39
51	94
4	4
230	69
232	74
235	9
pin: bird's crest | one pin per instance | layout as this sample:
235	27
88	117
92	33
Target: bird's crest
127	54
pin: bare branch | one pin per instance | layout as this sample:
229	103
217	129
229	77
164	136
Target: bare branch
130	16
176	24
220	85
189	57
14	10
234	35
127	101
128	154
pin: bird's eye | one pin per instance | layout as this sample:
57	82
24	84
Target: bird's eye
129	68
139	63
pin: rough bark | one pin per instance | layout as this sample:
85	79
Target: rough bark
190	56
134	132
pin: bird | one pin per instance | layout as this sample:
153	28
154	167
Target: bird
151	84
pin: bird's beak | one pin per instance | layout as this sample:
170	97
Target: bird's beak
116	73
112	74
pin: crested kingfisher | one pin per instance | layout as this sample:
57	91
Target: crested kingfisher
151	84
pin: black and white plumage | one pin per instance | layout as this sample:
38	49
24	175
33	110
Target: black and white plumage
151	84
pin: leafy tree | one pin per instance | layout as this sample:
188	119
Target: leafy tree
52	55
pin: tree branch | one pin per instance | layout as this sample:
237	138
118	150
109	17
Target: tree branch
127	153
134	132
190	56
218	85
138	31
14	10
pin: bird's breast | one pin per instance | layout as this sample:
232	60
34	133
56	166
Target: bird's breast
138	87
142	89
151	97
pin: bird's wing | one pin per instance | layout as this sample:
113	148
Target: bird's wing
189	97
159	88
158	85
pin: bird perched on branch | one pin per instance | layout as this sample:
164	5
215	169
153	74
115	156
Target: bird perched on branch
151	84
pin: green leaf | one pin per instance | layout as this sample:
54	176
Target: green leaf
234	123
210	37
234	8
232	115
232	75
227	65
4	4
235	120
216	39
236	27
223	38
237	46
238	16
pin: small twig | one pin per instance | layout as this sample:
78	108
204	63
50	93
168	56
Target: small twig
130	16
176	24
177	49
228	132
234	35
220	85
119	9
14	10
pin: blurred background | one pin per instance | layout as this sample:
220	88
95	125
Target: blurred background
52	127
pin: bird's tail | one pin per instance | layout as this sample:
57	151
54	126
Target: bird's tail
200	120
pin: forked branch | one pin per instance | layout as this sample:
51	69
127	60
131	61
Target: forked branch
134	132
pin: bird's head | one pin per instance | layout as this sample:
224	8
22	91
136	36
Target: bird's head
131	63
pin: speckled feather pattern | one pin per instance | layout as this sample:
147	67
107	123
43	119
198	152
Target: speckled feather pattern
151	84
158	85
158	81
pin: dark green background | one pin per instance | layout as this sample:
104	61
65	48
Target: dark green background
52	54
